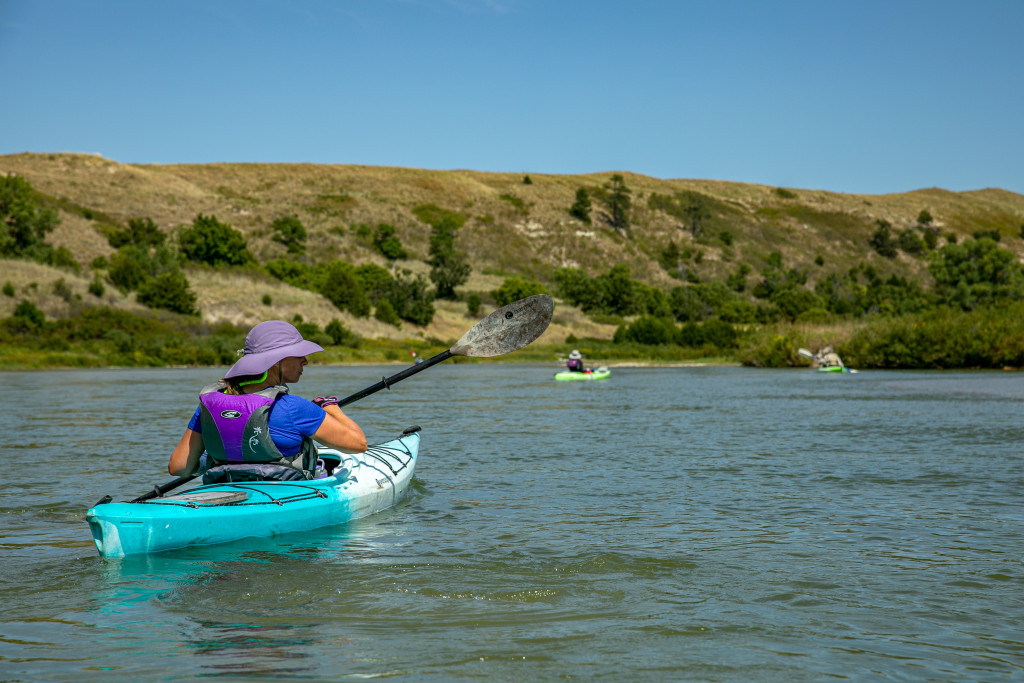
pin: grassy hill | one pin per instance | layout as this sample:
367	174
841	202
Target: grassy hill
513	228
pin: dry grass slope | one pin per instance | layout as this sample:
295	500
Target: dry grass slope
512	227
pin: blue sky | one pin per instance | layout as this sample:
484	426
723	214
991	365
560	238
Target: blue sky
866	96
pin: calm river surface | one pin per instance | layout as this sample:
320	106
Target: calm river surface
706	524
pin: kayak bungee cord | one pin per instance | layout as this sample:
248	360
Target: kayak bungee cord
307	492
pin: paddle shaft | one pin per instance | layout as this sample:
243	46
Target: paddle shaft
386	382
164	488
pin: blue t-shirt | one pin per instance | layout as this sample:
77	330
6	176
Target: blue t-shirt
291	419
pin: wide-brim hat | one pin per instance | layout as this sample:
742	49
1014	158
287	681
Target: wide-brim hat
575	354
266	344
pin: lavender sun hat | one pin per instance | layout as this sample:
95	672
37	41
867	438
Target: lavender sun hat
266	344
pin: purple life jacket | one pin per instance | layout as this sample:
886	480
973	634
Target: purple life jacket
574	364
236	428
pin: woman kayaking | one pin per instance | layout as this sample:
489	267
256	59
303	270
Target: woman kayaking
251	427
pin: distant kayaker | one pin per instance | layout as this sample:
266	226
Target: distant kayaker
575	362
828	358
251	422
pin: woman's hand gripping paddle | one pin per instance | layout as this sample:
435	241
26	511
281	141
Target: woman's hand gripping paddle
505	330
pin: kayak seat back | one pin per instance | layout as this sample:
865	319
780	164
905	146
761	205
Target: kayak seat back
251	471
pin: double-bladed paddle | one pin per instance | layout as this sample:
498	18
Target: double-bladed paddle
505	330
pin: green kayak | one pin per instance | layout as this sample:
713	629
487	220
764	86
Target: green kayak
590	374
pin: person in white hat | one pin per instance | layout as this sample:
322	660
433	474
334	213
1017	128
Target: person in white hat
249	421
575	362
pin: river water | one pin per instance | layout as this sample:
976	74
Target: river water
705	524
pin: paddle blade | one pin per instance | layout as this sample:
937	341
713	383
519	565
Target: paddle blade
806	353
507	329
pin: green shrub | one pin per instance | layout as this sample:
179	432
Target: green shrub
385	313
473	304
30	313
8	289
648	330
691	334
387	243
341	335
738	311
515	288
449	268
582	206
720	334
169	291
61	257
289	231
296	274
909	242
212	242
23	225
881	239
267	300
96	287
343	288
62	289
141	232
411	298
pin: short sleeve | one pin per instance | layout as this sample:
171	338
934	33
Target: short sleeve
195	424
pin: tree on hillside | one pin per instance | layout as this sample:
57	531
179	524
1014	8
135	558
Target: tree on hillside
581	207
132	265
618	203
387	242
290	232
448	268
215	243
342	286
169	291
141	232
515	288
23	225
976	272
696	211
881	239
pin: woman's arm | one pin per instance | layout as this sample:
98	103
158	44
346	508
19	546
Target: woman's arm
185	457
339	431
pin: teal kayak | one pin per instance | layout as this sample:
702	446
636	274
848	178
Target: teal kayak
361	485
599	373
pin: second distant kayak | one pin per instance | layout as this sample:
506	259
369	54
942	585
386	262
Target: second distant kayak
568	376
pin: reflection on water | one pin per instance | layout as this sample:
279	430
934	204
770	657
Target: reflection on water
672	523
